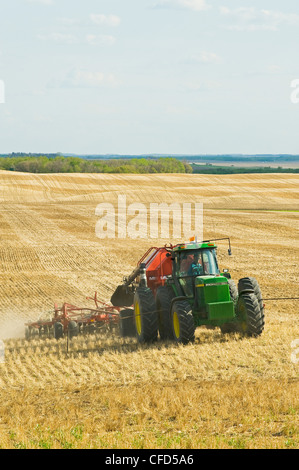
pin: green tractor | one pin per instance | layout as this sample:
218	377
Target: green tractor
175	289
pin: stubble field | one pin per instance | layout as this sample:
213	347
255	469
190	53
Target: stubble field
222	391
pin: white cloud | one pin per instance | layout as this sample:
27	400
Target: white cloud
60	38
70	39
83	78
278	17
108	20
196	86
175	111
205	57
195	5
69	21
99	40
274	69
93	20
251	19
44	2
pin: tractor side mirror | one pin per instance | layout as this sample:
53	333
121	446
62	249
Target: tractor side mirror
226	274
229	252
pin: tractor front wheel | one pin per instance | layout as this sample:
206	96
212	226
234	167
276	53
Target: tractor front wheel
146	319
249	316
182	322
250	284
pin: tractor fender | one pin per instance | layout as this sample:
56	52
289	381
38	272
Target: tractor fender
181	297
246	291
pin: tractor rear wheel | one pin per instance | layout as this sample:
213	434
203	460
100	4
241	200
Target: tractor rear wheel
126	323
145	315
249	316
183	326
164	297
250	284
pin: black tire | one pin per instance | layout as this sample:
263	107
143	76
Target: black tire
164	297
249	316
127	327
183	326
233	290
145	315
58	330
250	284
73	329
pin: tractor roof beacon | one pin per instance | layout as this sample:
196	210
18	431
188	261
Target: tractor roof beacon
175	289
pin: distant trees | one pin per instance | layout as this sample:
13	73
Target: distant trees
230	170
60	164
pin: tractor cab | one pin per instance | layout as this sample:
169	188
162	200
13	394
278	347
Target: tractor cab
193	260
196	276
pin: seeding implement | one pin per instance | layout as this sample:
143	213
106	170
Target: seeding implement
72	320
172	291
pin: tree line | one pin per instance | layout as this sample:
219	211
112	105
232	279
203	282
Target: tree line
60	164
231	170
53	163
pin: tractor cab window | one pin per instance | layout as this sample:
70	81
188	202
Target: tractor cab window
189	264
196	263
192	263
209	262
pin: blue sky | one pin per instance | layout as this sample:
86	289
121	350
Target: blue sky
149	76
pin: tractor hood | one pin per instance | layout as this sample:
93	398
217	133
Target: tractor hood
212	289
211	281
213	297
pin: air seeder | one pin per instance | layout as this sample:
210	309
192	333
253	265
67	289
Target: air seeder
175	289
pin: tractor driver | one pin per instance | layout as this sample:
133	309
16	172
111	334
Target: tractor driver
195	268
186	262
